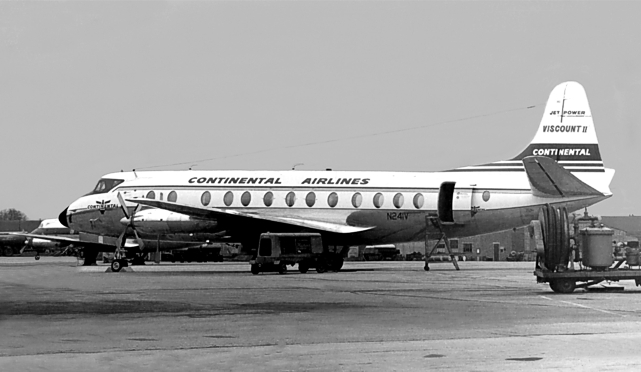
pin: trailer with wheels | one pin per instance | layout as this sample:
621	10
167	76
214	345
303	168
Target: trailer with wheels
578	258
568	281
276	251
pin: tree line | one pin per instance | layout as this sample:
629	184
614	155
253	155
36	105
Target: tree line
12	214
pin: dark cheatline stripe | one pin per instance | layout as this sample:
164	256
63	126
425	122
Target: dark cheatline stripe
517	170
514	164
487	170
586	164
564	164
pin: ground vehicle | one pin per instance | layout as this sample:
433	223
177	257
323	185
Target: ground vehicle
10	244
277	250
381	252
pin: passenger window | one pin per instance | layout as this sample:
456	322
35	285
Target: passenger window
357	200
246	198
310	199
378	200
205	198
228	198
151	195
172	197
332	199
398	200
290	199
418	201
268	199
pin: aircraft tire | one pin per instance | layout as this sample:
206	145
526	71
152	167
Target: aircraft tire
551	251
116	265
282	269
255	269
565	237
302	267
8	251
426	267
544	232
37	258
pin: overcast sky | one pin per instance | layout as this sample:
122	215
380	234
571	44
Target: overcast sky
88	88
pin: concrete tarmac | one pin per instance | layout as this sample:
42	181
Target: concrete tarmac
388	316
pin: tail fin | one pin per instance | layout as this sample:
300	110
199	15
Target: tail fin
566	133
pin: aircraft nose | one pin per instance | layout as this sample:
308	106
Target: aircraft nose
62	217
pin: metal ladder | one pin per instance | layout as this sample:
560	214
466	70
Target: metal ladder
436	222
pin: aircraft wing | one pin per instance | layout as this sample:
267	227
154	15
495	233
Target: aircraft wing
549	179
213	213
53	238
68	240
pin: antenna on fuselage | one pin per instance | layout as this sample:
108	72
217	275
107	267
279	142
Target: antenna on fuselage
297	164
133	170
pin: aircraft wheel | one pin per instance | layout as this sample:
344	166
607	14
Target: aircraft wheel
302	268
282	269
8	251
426	267
37	258
116	265
255	269
321	267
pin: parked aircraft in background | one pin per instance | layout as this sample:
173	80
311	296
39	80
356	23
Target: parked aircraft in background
562	166
17	242
53	235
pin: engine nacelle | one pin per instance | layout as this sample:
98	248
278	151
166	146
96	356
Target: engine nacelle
160	221
42	244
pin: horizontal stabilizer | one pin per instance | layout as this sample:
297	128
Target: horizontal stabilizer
549	179
215	213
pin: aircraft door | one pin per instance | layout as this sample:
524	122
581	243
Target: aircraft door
454	203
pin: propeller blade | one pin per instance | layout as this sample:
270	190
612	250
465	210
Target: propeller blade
120	242
123	206
136	210
141	244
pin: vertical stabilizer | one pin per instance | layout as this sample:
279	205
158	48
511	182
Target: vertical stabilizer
566	133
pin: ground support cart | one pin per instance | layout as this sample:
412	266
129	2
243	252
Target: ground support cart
568	281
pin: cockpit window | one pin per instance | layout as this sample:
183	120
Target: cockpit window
105	185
